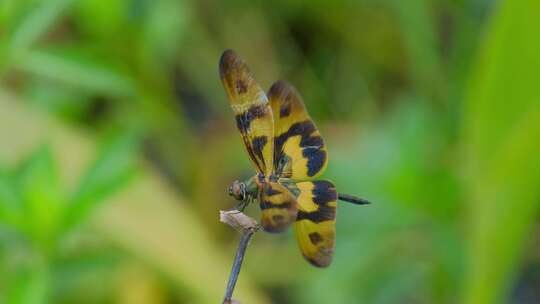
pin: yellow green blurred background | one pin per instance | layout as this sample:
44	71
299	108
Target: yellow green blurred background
117	145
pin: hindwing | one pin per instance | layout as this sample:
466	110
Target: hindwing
299	149
278	207
315	225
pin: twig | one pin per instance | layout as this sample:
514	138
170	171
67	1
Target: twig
247	227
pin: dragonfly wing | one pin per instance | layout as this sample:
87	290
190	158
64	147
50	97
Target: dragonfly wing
254	118
278	207
299	149
315	226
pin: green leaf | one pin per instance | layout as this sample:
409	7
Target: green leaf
418	30
10	203
165	27
113	168
502	128
102	18
38	184
66	102
9	10
30	286
37	22
77	69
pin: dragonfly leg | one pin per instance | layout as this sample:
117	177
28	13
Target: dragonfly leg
242	205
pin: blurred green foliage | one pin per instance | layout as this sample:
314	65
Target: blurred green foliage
429	109
38	217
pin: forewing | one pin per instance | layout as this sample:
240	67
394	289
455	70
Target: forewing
299	149
315	225
252	110
278	207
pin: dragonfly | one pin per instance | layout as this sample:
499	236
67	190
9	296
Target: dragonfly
289	154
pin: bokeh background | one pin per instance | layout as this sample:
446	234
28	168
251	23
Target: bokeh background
117	145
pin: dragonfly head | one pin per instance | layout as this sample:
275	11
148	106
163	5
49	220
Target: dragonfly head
238	190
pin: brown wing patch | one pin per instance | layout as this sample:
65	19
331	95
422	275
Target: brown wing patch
254	118
278	207
299	149
315	225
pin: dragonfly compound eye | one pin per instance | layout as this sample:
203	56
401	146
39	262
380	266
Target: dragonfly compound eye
238	190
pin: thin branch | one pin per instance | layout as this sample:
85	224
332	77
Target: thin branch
247	227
